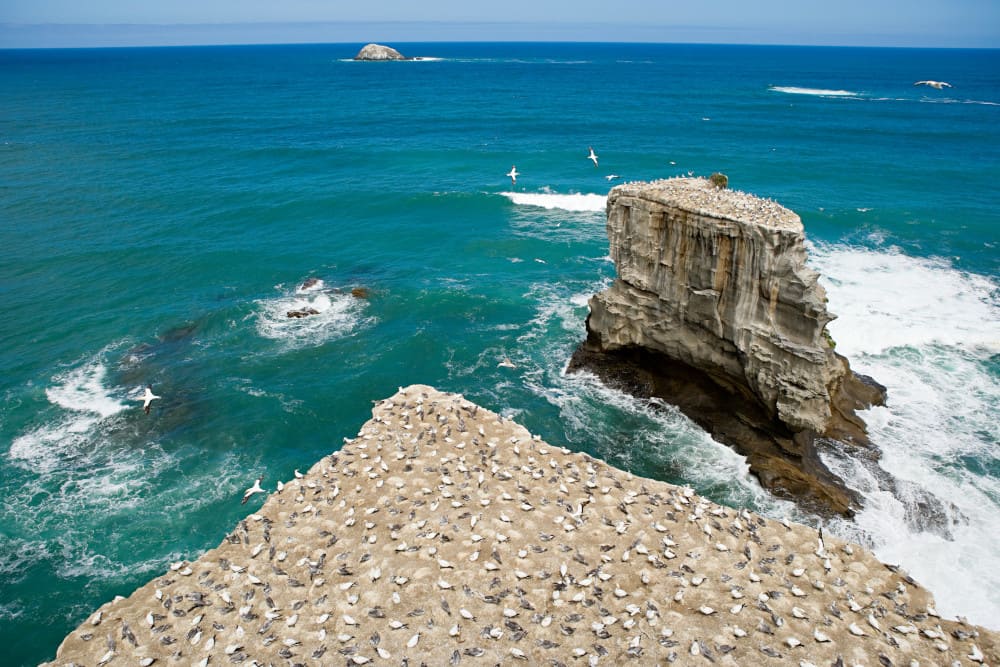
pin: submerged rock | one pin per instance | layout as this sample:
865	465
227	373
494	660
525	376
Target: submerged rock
310	283
715	310
304	312
378	52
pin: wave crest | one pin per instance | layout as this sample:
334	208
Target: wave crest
550	201
336	315
822	92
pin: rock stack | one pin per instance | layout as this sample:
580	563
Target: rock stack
715	310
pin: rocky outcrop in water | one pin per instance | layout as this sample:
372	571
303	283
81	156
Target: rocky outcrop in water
715	310
379	52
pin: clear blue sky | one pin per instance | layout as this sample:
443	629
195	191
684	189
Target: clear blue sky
929	23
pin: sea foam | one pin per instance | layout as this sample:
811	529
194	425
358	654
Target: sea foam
927	332
822	92
566	202
338	315
80	403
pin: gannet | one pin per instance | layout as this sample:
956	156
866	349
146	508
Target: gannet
148	398
612	177
506	363
513	175
252	490
593	155
933	84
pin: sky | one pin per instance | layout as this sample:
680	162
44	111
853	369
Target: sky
919	23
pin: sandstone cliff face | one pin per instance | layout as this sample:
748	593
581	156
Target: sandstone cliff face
716	281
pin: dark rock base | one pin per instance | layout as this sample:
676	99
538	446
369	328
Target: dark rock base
786	463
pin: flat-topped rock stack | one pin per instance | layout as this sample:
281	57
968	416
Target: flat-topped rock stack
445	534
715	310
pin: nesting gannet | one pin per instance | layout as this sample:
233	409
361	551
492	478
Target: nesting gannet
148	398
252	490
593	155
506	363
933	84
513	175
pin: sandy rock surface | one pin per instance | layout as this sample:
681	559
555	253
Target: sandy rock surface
446	535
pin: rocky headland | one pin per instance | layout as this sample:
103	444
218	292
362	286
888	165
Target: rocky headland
715	311
379	52
445	534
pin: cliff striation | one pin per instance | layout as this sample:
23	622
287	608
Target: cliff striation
715	310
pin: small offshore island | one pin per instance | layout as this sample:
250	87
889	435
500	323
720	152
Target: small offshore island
446	534
379	52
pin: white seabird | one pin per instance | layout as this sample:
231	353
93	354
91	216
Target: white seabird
933	84
513	175
506	363
252	490
593	155
148	398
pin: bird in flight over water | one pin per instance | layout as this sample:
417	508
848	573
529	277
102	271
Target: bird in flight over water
148	398
252	490
593	155
513	175
933	84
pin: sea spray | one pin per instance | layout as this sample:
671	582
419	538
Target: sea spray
928	332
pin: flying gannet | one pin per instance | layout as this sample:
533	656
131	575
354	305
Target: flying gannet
933	84
513	175
252	490
593	155
148	398
506	363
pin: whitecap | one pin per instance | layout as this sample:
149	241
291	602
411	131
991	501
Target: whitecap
885	299
82	405
822	92
337	315
927	331
82	390
565	202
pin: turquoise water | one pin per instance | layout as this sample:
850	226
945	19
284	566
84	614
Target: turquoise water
160	207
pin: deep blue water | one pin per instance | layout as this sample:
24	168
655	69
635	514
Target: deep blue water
160	206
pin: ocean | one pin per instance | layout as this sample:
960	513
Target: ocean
161	207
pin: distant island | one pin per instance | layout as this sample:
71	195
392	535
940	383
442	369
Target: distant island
379	52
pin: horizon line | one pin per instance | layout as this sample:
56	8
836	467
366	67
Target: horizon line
247	33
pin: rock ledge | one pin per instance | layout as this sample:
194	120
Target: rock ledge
446	534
